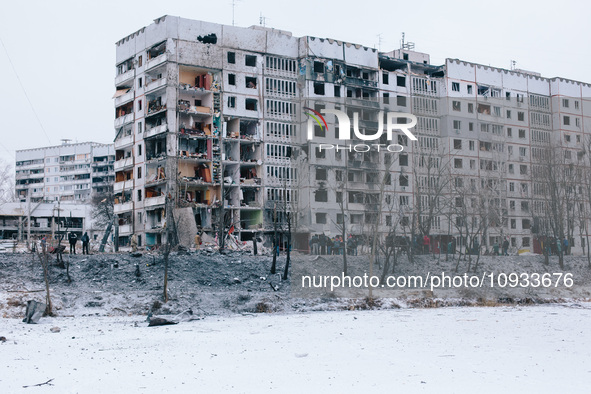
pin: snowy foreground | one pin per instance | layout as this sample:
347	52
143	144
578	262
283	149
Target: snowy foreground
513	349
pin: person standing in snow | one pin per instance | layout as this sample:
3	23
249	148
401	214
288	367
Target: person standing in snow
73	238
85	241
505	247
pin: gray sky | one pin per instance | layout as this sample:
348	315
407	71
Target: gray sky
64	51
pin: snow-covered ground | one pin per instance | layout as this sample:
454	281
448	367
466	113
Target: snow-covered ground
540	349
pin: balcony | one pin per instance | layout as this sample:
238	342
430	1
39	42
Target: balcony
120	186
156	130
124	98
119	79
122	120
124	229
125	207
124	141
156	61
361	82
120	164
153	201
155	85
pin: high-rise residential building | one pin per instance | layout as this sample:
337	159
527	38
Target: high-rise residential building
67	172
222	120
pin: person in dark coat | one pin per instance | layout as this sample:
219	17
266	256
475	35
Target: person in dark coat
505	247
85	242
72	238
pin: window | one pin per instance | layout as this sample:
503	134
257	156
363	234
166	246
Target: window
318	67
339	196
320	153
472	164
388	220
386	98
385	78
509	132
523	169
458	144
566	120
469	89
140	61
139	127
321	195
139	195
337	91
508	114
250	82
457	125
471	145
401	81
470	108
456	106
321	174
139	150
250	104
565	103
522	152
471	126
455	86
578	122
511	170
338	175
525	224
521	133
139	105
320	218
139	82
139	172
524	206
231	79
231	102
401	101
403	180
232	57
319	88
513	223
576	104
250	60
520	116
403	160
457	163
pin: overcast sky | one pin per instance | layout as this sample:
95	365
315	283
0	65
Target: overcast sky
64	51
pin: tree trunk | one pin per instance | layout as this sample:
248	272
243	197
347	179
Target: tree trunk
48	310
105	237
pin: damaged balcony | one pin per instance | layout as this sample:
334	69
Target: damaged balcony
125	222
155	221
125	72
123	202
155	148
156	104
155	79
250	198
123	181
199	81
195	174
124	137
123	115
197	196
249	131
123	159
155	174
156	55
123	95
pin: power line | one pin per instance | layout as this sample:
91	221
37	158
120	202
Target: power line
24	91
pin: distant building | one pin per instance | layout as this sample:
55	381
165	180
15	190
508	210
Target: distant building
67	172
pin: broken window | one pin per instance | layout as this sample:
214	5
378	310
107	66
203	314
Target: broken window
250	60
456	106
403	180
232	57
319	88
318	67
483	109
250	82
401	81
231	102
251	104
157	50
231	79
337	91
455	86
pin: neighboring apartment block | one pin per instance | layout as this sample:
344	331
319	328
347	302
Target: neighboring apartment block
68	172
215	117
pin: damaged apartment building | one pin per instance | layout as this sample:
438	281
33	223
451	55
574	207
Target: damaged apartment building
216	117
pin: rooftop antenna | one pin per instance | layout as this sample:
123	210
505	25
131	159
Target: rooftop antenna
513	64
262	20
234	3
406	45
380	42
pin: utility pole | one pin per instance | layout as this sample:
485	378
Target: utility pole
29	217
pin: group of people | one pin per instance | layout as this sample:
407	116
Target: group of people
556	247
320	244
73	239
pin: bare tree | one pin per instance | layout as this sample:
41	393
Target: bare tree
6	183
